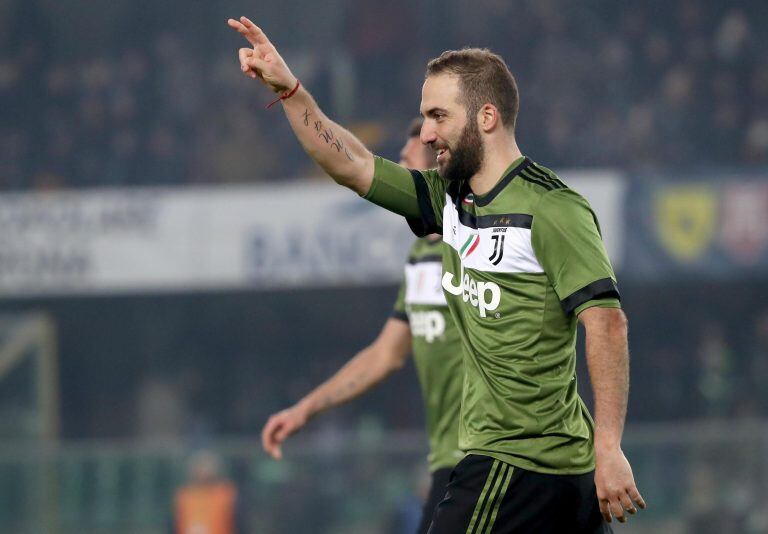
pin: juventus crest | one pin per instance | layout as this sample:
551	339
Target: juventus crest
498	248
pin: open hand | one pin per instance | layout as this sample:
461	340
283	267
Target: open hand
262	61
615	483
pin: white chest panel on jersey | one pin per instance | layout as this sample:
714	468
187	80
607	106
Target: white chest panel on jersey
500	249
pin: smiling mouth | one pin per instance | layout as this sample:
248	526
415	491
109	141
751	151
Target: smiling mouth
441	153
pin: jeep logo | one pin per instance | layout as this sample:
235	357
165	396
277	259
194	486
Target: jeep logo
427	324
485	296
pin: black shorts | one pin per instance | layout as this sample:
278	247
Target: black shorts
487	496
436	493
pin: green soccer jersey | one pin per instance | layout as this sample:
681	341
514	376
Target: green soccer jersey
436	349
520	263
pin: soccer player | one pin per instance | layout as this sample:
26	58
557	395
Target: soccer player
420	320
524	263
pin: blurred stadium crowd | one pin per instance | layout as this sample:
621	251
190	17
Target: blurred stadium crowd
630	86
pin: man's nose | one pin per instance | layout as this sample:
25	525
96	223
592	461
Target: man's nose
427	134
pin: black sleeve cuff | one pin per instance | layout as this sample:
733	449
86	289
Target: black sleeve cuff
599	289
400	315
427	223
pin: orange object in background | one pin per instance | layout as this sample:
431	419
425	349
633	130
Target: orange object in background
207	503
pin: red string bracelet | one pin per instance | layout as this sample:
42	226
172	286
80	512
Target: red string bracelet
286	95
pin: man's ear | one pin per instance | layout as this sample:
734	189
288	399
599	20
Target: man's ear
488	118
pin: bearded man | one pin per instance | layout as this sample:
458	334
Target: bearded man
524	264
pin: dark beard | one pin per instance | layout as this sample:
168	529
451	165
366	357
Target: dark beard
466	156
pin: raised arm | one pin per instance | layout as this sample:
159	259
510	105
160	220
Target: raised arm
368	367
335	149
608	363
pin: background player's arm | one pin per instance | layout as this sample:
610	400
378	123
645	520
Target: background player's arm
335	149
367	368
608	363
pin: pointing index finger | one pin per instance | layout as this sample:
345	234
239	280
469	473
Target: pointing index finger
255	32
242	30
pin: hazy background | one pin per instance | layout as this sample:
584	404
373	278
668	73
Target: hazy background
173	268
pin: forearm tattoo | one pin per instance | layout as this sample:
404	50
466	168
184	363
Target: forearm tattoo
350	388
327	135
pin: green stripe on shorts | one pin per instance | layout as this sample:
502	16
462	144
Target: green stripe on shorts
500	497
488	502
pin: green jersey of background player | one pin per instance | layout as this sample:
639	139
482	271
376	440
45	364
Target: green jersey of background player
516	300
420	320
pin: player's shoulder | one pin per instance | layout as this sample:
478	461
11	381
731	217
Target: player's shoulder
431	173
550	189
538	179
522	189
431	176
425	249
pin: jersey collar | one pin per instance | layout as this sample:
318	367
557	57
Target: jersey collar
512	171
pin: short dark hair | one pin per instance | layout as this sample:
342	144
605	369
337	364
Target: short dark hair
484	78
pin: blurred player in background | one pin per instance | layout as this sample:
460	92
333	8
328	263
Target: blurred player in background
524	263
420	322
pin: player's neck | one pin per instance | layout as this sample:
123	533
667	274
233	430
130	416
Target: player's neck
497	159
